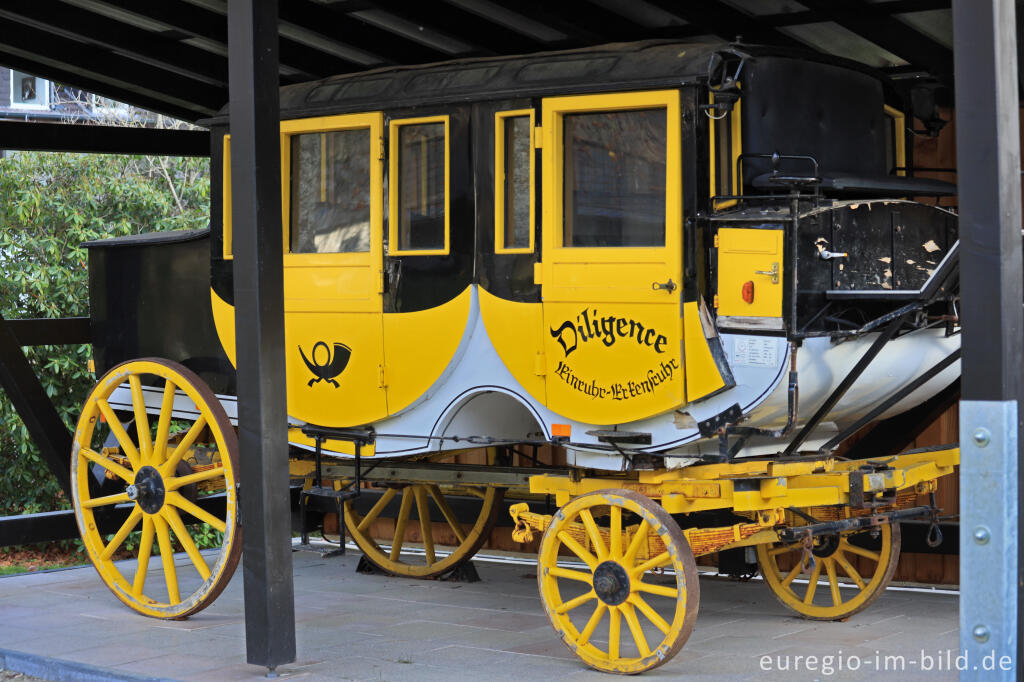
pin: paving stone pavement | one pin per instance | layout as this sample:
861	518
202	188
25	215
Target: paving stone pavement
352	626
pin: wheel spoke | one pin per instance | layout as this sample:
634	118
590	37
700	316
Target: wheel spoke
614	633
195	510
168	467
163	538
659	560
145	549
560	572
569	541
141	419
634	627
849	570
812	584
591	625
848	546
661	590
108	464
425	526
163	425
793	573
594	534
127	527
174	521
176	482
403	519
615	532
446	510
377	508
578	601
782	549
652	615
637	541
120	434
105	501
833	581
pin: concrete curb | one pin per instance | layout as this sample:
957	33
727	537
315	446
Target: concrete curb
58	670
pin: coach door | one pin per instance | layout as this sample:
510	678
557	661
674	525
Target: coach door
332	171
611	270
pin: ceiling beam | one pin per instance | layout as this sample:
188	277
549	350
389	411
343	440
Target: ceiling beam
888	9
116	36
77	57
889	33
211	28
103	139
726	22
122	92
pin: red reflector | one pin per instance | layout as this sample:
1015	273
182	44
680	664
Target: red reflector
748	292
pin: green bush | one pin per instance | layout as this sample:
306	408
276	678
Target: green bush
50	204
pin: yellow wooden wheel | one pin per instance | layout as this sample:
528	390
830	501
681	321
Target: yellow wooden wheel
612	611
430	502
162	468
857	566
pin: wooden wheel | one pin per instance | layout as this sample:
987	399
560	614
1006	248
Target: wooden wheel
645	619
163	469
430	503
857	566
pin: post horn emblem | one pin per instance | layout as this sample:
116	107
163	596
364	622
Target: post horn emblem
331	366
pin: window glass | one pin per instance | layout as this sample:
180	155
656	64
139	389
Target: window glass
518	156
614	178
421	190
723	154
330	192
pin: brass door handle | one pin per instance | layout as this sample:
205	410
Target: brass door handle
773	273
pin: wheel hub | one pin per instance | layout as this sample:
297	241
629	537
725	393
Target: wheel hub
826	546
148	490
611	583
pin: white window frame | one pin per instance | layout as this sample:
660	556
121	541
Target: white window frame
42	84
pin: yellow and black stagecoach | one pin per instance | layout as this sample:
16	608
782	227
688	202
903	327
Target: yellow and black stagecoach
652	286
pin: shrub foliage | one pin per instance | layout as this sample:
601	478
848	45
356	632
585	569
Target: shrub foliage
50	204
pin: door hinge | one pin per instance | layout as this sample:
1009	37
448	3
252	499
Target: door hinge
714	301
380	281
381	377
538	137
380	141
716	240
537	278
540	365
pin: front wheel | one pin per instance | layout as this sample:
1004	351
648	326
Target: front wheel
179	476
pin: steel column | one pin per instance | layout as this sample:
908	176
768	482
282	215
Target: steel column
259	325
988	168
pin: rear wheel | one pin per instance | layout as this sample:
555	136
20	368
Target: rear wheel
175	476
444	547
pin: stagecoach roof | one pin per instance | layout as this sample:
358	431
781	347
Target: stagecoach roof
170	56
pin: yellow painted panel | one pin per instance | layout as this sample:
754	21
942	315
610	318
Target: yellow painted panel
746	255
515	331
419	346
224	322
333	363
702	375
609	363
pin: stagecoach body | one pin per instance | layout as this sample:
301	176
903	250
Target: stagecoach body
520	249
697	268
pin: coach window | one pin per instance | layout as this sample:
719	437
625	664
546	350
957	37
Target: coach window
726	147
418	186
513	181
614	178
330	192
895	141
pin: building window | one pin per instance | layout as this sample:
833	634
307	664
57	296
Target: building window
29	92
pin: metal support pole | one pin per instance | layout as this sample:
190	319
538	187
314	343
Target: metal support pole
259	324
988	160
